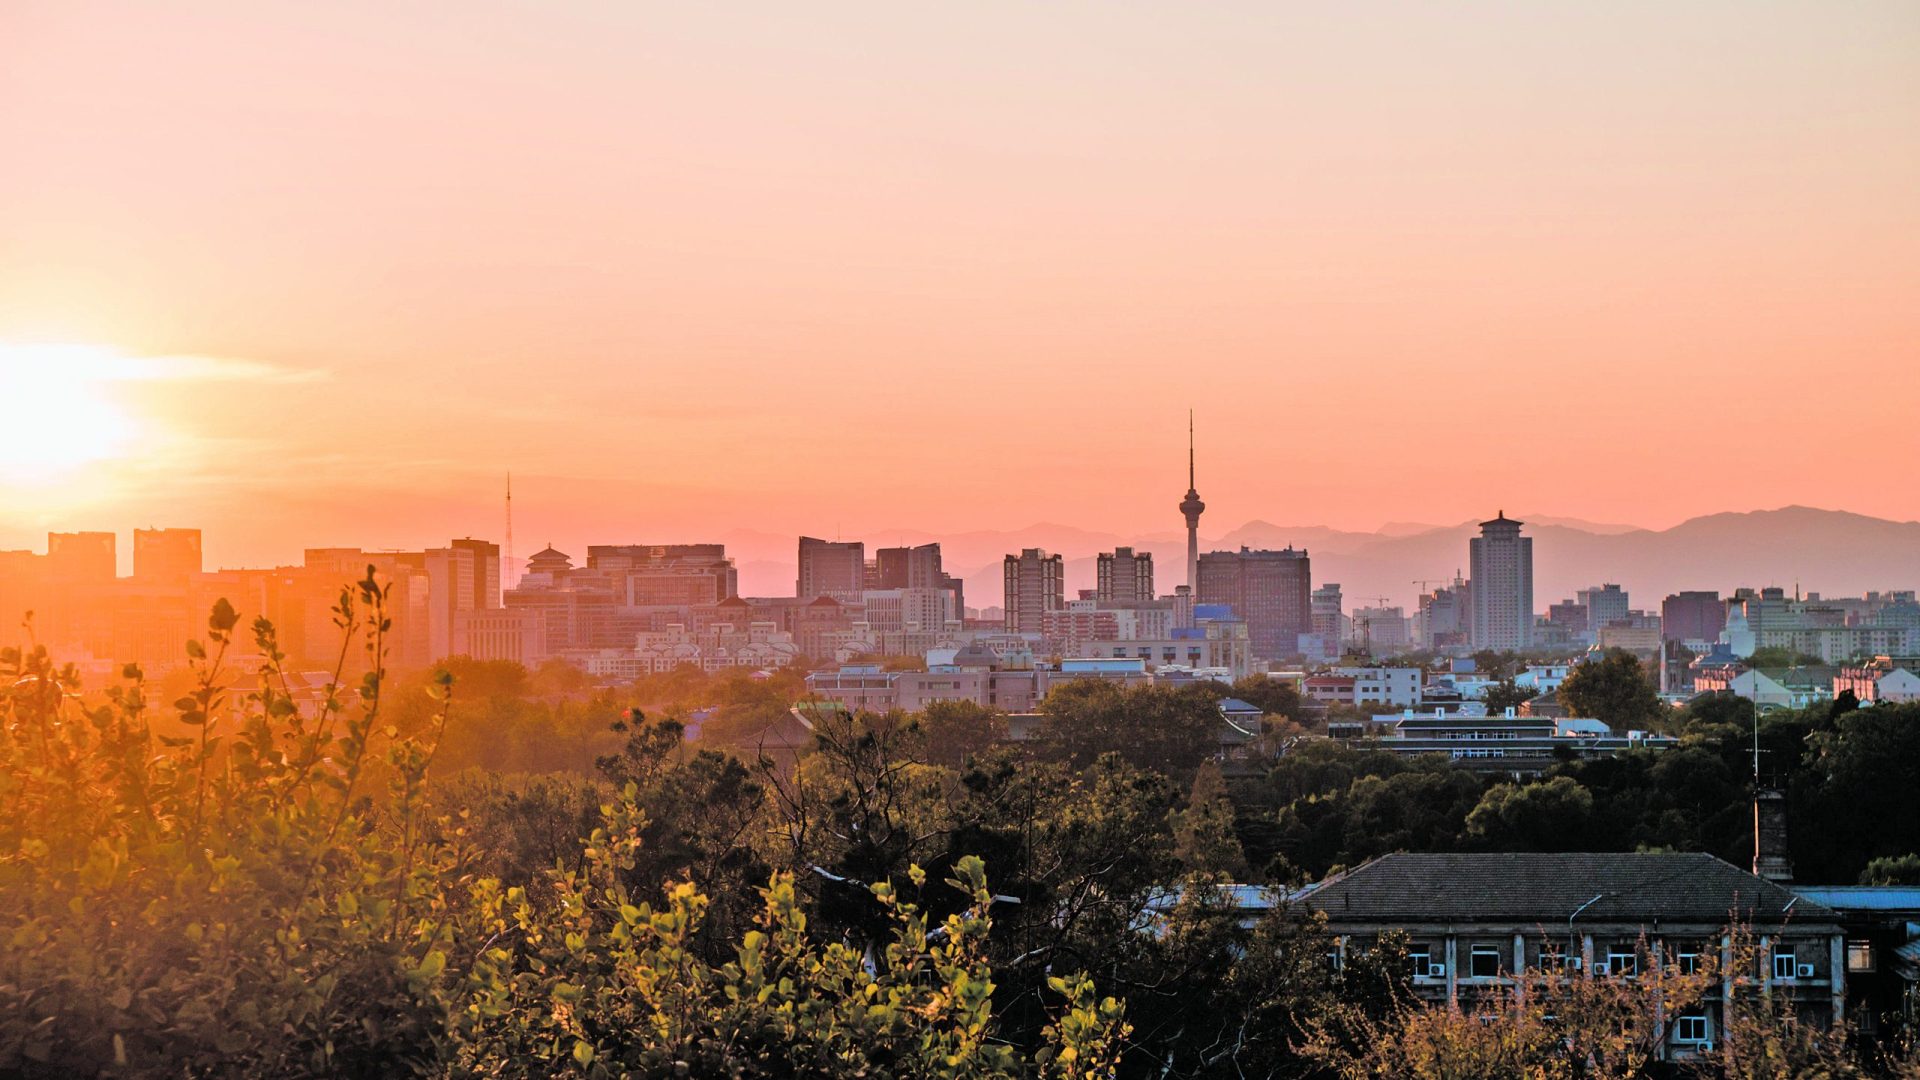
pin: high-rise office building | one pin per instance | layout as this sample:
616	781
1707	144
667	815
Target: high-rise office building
907	567
81	558
1502	585
1124	577
918	567
166	556
451	590
1605	604
831	568
1271	590
666	575
486	572
1446	617
1692	616
1329	615
1035	585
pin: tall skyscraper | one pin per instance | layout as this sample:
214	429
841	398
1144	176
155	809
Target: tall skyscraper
1191	508
831	568
918	568
1271	590
486	571
1502	585
452	573
1035	585
1124	576
907	567
166	556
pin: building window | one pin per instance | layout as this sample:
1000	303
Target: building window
1484	962
1859	955
1624	964
1687	959
1690	1029
1420	962
1553	958
1783	961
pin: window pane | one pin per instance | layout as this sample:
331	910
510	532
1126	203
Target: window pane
1859	955
1486	961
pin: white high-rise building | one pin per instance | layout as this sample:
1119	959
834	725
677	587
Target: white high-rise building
1502	585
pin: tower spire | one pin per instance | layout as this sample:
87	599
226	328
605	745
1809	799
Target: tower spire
506	577
1190	508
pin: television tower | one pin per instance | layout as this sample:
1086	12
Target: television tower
1191	508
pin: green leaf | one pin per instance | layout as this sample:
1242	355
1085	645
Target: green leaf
223	618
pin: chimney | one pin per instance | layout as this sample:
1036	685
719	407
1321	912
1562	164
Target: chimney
1770	859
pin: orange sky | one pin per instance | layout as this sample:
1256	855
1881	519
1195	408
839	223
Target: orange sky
688	268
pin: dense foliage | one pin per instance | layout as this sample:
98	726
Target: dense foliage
1846	771
276	892
486	871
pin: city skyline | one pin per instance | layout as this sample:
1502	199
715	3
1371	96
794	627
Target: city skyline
1406	266
562	539
1840	554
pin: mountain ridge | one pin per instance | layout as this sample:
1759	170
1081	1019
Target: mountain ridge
1835	552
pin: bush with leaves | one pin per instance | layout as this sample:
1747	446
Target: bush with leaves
221	892
250	888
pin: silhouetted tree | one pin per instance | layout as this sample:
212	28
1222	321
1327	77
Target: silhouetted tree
1614	690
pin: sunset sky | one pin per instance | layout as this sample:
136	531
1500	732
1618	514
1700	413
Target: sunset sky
306	274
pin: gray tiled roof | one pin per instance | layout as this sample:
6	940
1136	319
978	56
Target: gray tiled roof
1539	887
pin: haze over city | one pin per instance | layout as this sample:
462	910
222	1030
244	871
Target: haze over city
1087	540
327	274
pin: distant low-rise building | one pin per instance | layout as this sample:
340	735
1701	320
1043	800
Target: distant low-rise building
1884	679
1769	688
1510	743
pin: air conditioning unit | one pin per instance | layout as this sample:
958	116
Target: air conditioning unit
1436	971
1599	969
1805	970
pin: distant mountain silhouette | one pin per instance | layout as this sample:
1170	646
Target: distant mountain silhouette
1832	552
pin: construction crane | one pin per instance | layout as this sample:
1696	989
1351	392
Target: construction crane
1366	624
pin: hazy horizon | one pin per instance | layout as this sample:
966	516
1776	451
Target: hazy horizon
331	273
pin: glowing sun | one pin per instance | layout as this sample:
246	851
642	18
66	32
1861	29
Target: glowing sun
59	412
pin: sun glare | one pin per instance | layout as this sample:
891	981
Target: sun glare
60	412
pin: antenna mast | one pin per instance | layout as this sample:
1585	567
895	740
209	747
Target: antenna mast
1190	486
506	577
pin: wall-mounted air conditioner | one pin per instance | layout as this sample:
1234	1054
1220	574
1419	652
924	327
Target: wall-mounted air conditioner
1436	971
1806	971
1599	969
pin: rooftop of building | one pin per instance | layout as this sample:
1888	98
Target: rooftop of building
1900	898
1526	887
